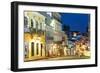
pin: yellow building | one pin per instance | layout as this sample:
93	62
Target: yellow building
34	35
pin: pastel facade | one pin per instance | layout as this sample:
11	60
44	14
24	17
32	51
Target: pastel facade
34	34
41	31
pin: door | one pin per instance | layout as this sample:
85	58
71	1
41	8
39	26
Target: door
32	49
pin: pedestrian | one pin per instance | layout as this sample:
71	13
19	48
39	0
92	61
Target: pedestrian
65	50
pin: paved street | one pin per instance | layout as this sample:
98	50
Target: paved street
59	58
67	58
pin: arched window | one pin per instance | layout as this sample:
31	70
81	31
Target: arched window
32	49
32	24
25	21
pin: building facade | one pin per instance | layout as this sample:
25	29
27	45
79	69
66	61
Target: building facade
34	35
42	34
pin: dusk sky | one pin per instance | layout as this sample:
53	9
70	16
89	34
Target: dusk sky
76	21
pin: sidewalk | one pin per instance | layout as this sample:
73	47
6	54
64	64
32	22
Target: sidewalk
35	58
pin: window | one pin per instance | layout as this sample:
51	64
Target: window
41	49
32	49
32	25
37	48
25	21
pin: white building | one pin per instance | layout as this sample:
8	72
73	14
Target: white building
57	27
57	30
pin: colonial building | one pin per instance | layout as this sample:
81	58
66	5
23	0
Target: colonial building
42	30
57	26
59	36
34	35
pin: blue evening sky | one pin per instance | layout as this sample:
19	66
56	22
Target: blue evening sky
76	21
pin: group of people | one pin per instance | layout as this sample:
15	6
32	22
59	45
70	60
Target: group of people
77	48
82	47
